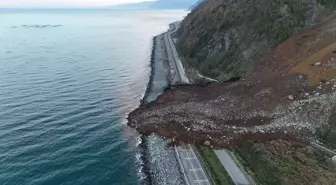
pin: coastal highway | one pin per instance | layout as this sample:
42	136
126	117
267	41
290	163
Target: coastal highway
187	156
190	165
172	53
231	165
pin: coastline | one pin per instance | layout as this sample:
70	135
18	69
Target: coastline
159	163
145	169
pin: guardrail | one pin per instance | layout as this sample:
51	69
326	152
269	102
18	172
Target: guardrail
315	144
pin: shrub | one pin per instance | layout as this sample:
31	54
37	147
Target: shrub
256	158
282	29
331	3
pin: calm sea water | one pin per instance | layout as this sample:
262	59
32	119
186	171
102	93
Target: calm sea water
68	79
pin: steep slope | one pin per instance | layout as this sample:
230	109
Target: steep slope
228	36
285	99
196	4
287	95
288	100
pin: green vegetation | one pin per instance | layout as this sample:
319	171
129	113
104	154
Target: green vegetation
256	159
283	23
334	52
328	2
233	35
214	168
285	163
328	136
323	160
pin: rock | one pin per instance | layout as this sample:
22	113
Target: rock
317	64
307	94
333	160
291	97
207	143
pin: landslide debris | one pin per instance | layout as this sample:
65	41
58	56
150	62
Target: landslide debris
285	96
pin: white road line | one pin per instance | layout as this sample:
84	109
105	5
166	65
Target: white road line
196	169
200	181
191	164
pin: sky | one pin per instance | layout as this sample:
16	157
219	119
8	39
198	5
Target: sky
63	3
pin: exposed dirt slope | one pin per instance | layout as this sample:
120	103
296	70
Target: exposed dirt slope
279	99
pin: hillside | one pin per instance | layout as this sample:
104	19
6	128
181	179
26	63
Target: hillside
285	52
196	4
226	37
268	117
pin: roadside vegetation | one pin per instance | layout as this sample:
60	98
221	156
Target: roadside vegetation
328	137
214	169
284	163
256	160
328	2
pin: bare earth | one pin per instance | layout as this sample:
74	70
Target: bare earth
290	94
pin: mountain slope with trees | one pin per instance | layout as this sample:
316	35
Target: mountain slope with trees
227	36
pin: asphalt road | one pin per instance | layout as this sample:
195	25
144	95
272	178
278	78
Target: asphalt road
190	165
176	59
192	168
175	76
228	160
238	175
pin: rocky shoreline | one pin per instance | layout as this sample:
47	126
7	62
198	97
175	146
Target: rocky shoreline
160	165
145	169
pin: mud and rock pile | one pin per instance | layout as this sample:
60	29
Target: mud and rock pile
290	94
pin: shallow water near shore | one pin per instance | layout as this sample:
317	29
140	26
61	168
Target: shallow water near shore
68	79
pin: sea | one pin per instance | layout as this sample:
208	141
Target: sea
68	80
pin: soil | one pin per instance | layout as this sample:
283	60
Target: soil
285	96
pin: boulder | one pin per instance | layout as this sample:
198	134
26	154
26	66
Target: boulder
333	160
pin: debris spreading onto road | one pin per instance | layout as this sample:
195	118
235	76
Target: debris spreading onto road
283	97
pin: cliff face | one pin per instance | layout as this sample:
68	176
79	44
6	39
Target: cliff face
227	36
